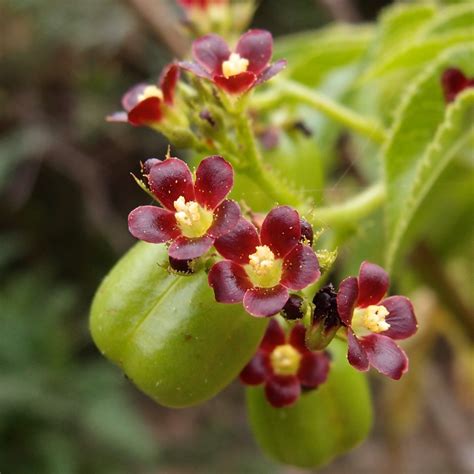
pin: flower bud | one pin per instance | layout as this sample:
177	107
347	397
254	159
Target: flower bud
294	308
326	321
181	267
307	234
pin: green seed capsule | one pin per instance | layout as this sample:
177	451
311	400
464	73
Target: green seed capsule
167	333
322	424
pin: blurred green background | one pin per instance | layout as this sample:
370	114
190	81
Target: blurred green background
65	194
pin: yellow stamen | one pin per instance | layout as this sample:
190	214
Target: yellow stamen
234	65
263	260
285	360
193	220
371	318
150	91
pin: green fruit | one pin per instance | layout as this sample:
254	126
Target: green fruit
167	332
322	424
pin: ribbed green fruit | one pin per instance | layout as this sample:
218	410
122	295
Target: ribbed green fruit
167	333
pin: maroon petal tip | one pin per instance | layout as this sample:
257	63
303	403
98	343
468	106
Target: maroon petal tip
171	179
373	284
264	302
152	224
281	230
257	370
214	180
282	391
229	282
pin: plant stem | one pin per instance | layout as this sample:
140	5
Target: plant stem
257	172
286	89
354	209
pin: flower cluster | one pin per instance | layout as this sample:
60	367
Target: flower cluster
453	82
285	366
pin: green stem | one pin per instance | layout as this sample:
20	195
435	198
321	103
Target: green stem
254	168
286	89
353	210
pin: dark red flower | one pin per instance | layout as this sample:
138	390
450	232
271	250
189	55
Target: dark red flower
145	104
261	267
194	214
454	82
236	71
373	322
200	4
285	365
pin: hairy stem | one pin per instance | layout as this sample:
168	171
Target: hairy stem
286	89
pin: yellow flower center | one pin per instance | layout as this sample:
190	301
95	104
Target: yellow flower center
234	65
150	91
264	269
371	318
285	360
192	219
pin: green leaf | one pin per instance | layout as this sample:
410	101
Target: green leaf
452	18
425	136
322	424
399	25
418	54
313	55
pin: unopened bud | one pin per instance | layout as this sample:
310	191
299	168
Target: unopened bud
326	320
307	234
182	267
295	308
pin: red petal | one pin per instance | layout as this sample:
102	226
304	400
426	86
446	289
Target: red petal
210	52
282	390
214	180
195	68
274	336
146	112
152	224
169	180
385	356
226	217
168	80
229	282
401	317
346	298
453	81
314	369
356	354
256	46
237	84
271	70
239	243
257	370
130	98
373	284
184	248
281	230
297	338
263	302
300	268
